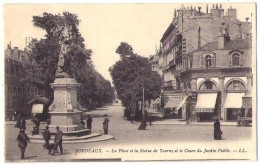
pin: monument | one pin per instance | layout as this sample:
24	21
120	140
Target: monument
65	111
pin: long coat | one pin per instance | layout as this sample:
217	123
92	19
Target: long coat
217	131
89	123
22	140
105	123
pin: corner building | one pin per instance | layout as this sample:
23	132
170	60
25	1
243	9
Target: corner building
208	62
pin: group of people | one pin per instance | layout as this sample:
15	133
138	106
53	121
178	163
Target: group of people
52	148
89	123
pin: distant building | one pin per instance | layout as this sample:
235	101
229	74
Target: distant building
17	94
206	64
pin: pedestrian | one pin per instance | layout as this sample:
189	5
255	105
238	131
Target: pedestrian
105	124
89	123
48	121
18	122
22	139
238	120
22	124
47	136
143	124
217	130
82	122
58	140
148	117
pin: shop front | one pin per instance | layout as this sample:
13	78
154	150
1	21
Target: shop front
205	108
232	105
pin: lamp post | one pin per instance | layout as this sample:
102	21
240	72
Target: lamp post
143	92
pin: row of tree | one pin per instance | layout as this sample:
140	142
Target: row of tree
132	77
42	62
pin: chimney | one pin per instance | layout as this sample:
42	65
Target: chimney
247	19
221	37
199	40
232	13
239	30
207	9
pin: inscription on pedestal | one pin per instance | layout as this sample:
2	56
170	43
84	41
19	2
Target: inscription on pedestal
60	99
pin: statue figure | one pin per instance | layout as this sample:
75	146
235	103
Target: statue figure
64	50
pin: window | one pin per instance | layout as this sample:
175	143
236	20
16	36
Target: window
208	61
235	59
208	85
236	85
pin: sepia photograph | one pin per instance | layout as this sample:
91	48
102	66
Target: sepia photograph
130	82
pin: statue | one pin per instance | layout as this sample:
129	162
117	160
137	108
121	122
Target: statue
64	50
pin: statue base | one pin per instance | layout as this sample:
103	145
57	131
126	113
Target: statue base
65	109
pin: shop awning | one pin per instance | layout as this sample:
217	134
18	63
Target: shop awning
173	102
233	100
182	102
37	108
206	102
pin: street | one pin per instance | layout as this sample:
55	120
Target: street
126	133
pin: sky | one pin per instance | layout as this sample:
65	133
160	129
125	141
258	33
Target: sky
105	26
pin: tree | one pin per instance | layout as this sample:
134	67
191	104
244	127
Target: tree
131	74
41	65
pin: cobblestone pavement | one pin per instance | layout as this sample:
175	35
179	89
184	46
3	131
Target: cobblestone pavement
126	133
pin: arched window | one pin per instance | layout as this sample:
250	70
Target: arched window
235	59
236	85
208	85
208	60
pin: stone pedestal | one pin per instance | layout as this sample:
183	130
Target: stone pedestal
64	109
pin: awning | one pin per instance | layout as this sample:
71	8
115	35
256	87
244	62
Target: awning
172	102
37	108
233	100
206	102
182	102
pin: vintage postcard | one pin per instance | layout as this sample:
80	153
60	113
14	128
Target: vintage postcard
130	82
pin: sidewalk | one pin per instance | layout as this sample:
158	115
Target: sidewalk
183	122
154	112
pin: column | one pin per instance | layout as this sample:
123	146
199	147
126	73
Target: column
222	112
193	98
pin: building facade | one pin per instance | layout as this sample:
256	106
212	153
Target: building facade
207	57
17	93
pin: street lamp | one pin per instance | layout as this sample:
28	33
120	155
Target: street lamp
143	92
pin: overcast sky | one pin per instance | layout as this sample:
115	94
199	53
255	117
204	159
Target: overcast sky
104	26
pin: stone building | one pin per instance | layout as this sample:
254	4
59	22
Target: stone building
17	94
206	64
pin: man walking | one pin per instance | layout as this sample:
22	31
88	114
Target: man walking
105	124
22	139
58	140
47	136
89	123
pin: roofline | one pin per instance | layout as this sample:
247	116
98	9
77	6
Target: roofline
169	29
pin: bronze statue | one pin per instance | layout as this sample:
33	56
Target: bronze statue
64	54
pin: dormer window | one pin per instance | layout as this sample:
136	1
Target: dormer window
235	58
208	60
